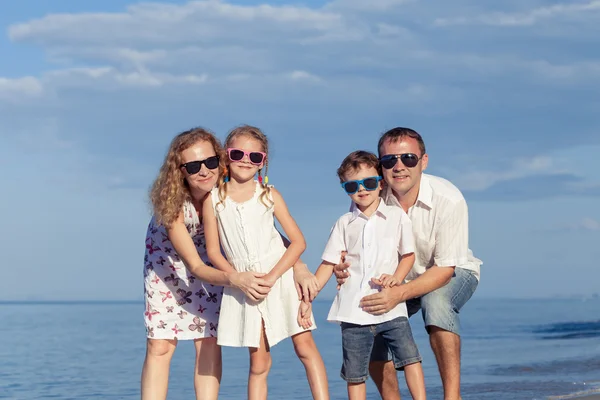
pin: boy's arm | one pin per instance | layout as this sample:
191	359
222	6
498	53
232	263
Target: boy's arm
324	272
404	266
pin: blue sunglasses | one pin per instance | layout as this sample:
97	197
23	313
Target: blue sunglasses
370	183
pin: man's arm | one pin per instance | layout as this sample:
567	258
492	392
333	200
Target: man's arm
382	302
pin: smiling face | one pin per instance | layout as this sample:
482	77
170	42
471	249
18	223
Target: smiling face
400	178
366	200
245	170
204	180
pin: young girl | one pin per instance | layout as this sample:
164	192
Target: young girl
239	215
181	301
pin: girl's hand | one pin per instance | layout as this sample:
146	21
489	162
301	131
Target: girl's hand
388	280
306	283
251	283
304	314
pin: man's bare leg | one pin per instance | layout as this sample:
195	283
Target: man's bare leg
446	347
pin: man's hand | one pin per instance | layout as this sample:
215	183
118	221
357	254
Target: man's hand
341	270
304	314
306	283
382	302
252	284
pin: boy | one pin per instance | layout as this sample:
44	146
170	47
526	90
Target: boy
379	243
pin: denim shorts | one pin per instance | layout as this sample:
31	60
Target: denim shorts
358	340
439	308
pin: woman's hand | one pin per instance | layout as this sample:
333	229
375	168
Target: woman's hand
251	283
306	283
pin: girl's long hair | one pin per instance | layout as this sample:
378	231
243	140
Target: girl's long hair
255	133
170	189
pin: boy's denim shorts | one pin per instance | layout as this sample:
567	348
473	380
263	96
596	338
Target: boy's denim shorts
358	340
439	308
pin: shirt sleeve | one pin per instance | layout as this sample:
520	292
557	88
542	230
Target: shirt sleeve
407	240
335	244
452	236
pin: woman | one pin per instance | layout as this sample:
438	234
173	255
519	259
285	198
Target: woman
182	291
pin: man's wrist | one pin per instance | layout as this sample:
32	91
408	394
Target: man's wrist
398	294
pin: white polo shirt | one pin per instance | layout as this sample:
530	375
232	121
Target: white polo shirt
373	245
440	221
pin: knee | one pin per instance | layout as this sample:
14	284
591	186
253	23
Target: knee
260	365
304	345
160	348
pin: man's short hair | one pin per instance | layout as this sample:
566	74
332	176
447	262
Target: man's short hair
395	134
355	160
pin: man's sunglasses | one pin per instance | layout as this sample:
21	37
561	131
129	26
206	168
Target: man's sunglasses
410	160
370	183
193	167
255	157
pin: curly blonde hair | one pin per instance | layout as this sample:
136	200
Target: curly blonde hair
254	133
170	189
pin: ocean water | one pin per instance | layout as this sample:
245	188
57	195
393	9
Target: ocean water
512	349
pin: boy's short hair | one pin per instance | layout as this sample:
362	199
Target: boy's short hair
355	160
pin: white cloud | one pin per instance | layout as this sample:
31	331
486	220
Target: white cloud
152	45
527	18
18	88
480	180
589	224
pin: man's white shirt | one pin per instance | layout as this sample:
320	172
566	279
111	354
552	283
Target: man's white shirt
440	226
374	245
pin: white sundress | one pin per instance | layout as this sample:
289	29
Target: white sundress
251	243
178	305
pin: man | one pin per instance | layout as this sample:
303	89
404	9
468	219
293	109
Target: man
445	274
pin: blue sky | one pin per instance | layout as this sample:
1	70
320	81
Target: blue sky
504	93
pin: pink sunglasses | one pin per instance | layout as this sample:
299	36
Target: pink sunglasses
255	157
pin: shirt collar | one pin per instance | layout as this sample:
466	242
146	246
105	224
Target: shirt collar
382	211
424	197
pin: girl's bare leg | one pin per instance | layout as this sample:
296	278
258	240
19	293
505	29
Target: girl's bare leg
207	372
155	372
309	355
260	364
413	373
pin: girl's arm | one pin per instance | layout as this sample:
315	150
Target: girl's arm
307	286
186	250
253	284
297	243
211	234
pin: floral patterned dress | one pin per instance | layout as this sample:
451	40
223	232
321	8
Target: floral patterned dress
178	305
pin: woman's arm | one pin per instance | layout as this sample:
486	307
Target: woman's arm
187	252
297	243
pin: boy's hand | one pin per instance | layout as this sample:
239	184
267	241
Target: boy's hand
387	280
304	314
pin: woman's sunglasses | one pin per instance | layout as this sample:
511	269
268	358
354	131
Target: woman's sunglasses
410	160
255	157
370	183
193	167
